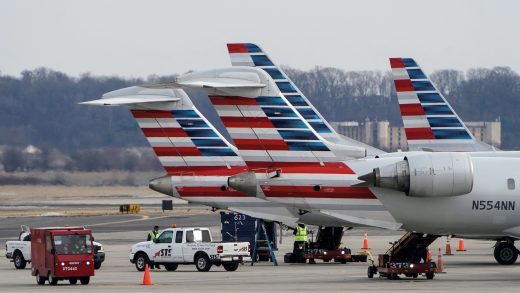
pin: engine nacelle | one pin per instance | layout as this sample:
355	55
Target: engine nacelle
426	175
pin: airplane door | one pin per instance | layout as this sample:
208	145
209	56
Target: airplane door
162	248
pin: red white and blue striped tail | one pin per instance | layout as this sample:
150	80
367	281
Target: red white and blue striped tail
197	158
430	122
251	55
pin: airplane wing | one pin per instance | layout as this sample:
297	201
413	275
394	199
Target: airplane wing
363	221
256	213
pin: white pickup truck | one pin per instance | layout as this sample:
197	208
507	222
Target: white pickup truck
19	251
189	246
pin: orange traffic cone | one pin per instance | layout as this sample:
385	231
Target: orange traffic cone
428	255
448	247
147	280
461	245
440	263
365	242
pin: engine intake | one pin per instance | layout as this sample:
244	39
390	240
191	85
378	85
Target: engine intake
426	175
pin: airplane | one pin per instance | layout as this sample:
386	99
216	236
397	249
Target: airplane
294	165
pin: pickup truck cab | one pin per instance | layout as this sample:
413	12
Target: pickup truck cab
19	251
189	246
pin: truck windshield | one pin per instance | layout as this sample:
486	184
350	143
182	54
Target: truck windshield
72	244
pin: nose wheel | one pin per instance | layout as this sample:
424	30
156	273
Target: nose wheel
506	253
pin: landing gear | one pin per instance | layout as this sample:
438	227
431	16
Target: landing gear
506	253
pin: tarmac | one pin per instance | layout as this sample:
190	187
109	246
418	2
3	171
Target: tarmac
473	270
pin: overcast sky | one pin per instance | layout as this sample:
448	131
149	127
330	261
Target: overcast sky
139	38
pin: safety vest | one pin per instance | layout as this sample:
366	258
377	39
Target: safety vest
153	235
301	234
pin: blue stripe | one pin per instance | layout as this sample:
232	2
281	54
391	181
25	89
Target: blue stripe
422	86
252	48
306	146
285	112
296	100
201	142
437	110
409	62
286	87
320	127
288	123
416	74
184	114
444	122
192	123
200	133
308	113
261	60
297	134
451	134
275	73
218	152
430	98
275	101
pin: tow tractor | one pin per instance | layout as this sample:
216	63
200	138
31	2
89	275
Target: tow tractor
326	248
407	256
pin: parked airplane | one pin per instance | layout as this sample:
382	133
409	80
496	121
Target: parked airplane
197	159
294	165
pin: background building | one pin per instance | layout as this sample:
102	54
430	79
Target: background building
390	138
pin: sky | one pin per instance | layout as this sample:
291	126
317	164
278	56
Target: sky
132	38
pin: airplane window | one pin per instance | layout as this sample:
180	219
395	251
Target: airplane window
511	184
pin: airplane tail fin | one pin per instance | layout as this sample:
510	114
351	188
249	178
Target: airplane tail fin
430	122
251	55
185	142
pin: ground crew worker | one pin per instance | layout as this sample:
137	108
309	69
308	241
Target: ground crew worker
154	234
300	238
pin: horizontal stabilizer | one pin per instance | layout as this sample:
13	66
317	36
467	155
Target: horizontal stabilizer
131	100
363	221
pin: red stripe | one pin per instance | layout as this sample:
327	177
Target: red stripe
419	133
237	48
301	167
231	100
247	122
396	63
403	85
177	151
411	110
205	170
196	191
261	144
151	114
164	132
325	192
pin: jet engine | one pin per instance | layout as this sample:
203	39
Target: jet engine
426	175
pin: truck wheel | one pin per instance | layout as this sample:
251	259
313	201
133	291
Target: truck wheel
97	265
39	279
73	281
171	267
230	266
19	261
430	276
506	253
202	262
140	261
52	280
370	272
84	280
